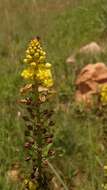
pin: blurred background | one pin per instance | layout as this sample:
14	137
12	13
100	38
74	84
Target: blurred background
64	26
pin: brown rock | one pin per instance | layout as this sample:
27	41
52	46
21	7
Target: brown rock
71	60
88	81
91	48
13	174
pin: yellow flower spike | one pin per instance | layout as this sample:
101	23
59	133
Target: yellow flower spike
105	167
38	68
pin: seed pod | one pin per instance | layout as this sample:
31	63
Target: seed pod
51	123
26	88
27	133
45	162
45	111
44	131
27	145
23	101
51	153
27	158
31	141
42	98
49	136
49	140
35	132
25	118
34	168
50	114
30	127
33	159
32	175
29	101
38	125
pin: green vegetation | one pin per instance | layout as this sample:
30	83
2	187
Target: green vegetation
64	26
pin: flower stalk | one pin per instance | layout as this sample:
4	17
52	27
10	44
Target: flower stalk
38	118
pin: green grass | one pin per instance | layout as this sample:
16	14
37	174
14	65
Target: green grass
64	26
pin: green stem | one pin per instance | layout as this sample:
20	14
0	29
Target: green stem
39	151
39	136
57	175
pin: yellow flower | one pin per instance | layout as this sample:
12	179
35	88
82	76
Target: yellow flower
103	94
42	53
33	186
27	73
44	73
36	55
42	59
38	69
25	61
30	185
29	57
48	65
26	181
32	51
33	64
27	51
48	83
30	48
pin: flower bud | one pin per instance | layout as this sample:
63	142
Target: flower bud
33	64
43	53
26	181
30	127
36	55
29	57
48	65
25	61
42	59
51	153
27	51
32	51
31	141
51	123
